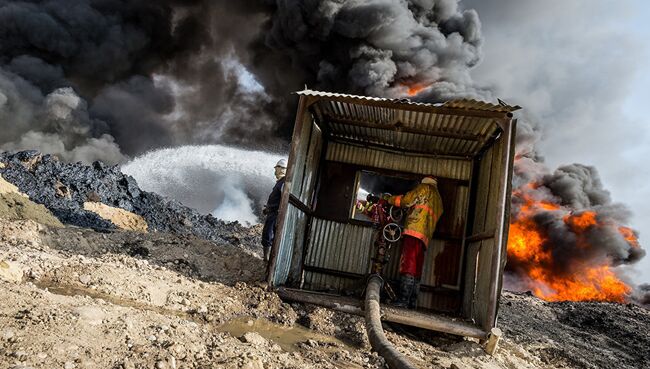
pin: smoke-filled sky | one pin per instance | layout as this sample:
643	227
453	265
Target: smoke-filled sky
580	70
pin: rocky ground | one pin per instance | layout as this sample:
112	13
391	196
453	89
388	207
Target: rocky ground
75	297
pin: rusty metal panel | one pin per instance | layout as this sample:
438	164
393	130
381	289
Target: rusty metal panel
294	223
338	247
301	154
311	166
352	154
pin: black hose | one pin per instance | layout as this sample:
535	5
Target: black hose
378	340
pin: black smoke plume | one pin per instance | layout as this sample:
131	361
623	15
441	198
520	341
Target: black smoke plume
106	79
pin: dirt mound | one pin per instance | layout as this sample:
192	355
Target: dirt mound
15	205
120	217
65	187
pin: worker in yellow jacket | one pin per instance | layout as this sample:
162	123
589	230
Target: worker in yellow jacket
424	209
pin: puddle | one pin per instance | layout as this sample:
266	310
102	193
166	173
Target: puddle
67	290
286	337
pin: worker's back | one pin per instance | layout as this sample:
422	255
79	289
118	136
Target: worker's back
425	208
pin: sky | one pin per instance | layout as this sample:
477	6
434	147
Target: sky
579	69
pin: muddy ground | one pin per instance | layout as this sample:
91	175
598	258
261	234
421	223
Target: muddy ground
77	298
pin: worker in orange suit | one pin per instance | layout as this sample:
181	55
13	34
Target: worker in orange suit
424	209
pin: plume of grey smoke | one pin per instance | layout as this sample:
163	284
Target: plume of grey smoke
109	53
376	47
57	123
642	295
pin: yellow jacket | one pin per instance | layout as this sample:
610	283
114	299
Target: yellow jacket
425	208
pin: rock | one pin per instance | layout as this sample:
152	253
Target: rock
253	364
253	338
61	190
7	334
69	365
10	271
91	315
127	364
85	279
161	364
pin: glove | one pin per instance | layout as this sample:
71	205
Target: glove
372	198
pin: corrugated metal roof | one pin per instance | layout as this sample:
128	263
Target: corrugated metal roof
456	128
467	104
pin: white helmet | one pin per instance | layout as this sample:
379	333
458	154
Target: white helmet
282	163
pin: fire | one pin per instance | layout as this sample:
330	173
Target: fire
416	88
629	236
581	222
530	251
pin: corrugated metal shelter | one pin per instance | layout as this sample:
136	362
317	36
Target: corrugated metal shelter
323	252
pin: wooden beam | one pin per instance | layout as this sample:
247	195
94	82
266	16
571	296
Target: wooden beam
337	273
413	318
481	236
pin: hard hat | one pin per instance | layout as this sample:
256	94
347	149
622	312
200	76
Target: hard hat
282	163
429	180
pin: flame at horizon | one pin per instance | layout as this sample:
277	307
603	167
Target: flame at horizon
537	259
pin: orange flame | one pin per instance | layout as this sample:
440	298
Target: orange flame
629	236
416	88
581	222
528	248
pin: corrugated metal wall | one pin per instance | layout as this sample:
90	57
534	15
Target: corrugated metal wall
294	227
449	168
302	184
339	247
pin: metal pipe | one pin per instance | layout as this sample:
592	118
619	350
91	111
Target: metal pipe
378	340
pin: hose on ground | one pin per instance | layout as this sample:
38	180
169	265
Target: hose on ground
378	340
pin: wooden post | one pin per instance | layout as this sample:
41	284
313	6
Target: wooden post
493	341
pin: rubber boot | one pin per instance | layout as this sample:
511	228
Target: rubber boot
406	283
413	301
267	253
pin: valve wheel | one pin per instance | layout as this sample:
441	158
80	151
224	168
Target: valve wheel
396	214
392	232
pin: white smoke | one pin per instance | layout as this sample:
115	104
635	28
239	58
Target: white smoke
227	182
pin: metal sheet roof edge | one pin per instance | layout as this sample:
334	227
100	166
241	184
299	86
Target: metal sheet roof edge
457	104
